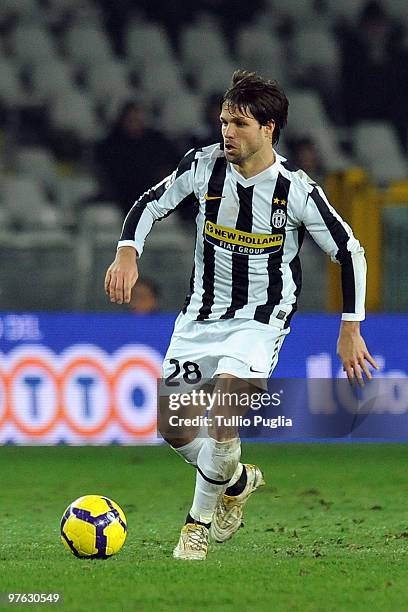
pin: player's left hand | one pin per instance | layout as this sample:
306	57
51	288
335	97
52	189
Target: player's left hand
121	275
353	353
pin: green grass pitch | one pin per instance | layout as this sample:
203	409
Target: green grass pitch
328	532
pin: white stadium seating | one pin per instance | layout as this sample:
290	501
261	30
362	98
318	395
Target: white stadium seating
25	200
315	47
101	217
181	115
306	112
147	40
30	42
377	148
162	79
22	8
214	78
260	51
73	190
107	78
86	44
349	10
37	163
51	77
75	112
11	90
201	45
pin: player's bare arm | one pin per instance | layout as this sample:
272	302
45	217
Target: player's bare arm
353	352
122	275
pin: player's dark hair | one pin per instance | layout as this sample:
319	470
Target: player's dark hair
265	99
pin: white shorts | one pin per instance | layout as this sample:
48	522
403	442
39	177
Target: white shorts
203	349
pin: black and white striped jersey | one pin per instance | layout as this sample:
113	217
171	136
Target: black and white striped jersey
249	233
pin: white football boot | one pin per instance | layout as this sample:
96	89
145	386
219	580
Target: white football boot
193	543
227	517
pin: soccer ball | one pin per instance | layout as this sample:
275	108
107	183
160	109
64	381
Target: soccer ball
94	527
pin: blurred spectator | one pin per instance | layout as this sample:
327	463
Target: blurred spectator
133	157
373	68
305	155
145	297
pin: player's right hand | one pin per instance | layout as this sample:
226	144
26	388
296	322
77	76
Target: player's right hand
121	275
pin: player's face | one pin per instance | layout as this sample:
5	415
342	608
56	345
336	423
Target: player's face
244	138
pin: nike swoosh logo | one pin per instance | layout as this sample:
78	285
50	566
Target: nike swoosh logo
208	197
256	371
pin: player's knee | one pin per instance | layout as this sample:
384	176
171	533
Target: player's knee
223	428
176	441
223	435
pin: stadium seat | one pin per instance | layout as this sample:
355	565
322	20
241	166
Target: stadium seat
97	255
395	220
253	41
264	20
47	273
147	40
27	204
73	190
37	163
86	44
300	14
333	157
306	112
316	48
107	78
68	4
74	11
181	115
94	254
298	11
99	230
51	77
21	8
206	19
348	10
307	118
162	79
112	106
260	51
175	267
376	147
100	217
314	273
85	11
397	9
31	42
214	78
11	90
201	45
4	217
74	112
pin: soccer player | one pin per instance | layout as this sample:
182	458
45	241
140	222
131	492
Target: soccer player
253	210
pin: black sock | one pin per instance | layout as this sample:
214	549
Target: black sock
190	520
239	486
